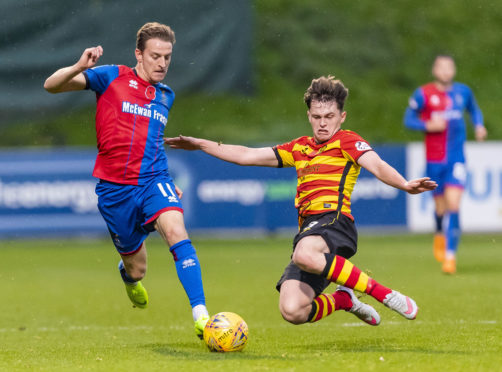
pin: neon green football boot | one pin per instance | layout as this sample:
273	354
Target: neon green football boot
137	294
200	324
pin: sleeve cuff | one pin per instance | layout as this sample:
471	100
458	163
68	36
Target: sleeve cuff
86	79
361	154
279	159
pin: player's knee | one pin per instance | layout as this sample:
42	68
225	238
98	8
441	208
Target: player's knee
302	259
292	313
175	233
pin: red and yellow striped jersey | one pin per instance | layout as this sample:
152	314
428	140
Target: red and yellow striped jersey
327	172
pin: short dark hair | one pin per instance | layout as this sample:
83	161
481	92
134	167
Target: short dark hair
153	30
325	89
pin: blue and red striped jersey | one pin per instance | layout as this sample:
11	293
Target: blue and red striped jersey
427	102
131	116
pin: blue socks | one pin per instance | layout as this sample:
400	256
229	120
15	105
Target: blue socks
126	278
452	231
189	273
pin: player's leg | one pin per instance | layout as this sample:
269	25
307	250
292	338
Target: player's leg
117	205
163	211
439	244
341	235
301	300
437	172
336	236
295	301
132	268
171	227
335	268
453	196
454	186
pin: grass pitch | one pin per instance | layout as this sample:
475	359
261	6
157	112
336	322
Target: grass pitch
64	308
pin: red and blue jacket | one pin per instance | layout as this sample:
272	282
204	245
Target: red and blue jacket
427	102
131	116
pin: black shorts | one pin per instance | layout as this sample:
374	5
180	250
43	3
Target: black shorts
340	236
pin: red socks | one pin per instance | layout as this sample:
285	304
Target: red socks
341	271
324	304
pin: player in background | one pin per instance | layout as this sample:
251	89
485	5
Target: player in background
136	194
437	109
327	166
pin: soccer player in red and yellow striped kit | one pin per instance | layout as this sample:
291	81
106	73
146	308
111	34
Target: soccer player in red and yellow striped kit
327	166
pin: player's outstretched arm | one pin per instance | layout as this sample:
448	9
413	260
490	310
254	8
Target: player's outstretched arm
387	174
71	78
236	154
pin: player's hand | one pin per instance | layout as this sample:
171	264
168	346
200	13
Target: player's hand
480	133
178	191
89	58
183	142
435	124
420	185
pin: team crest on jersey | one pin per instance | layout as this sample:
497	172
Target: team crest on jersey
362	146
435	100
150	92
459	100
133	84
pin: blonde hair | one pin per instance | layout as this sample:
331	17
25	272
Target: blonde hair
153	30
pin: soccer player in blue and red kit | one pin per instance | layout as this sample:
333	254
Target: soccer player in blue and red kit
136	194
437	109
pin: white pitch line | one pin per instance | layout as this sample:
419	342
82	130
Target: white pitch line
73	328
487	322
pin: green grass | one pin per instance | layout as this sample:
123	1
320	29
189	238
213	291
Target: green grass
64	308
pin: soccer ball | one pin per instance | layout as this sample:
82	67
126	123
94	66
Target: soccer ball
226	331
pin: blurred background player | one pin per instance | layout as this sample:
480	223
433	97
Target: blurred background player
136	194
437	109
327	166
